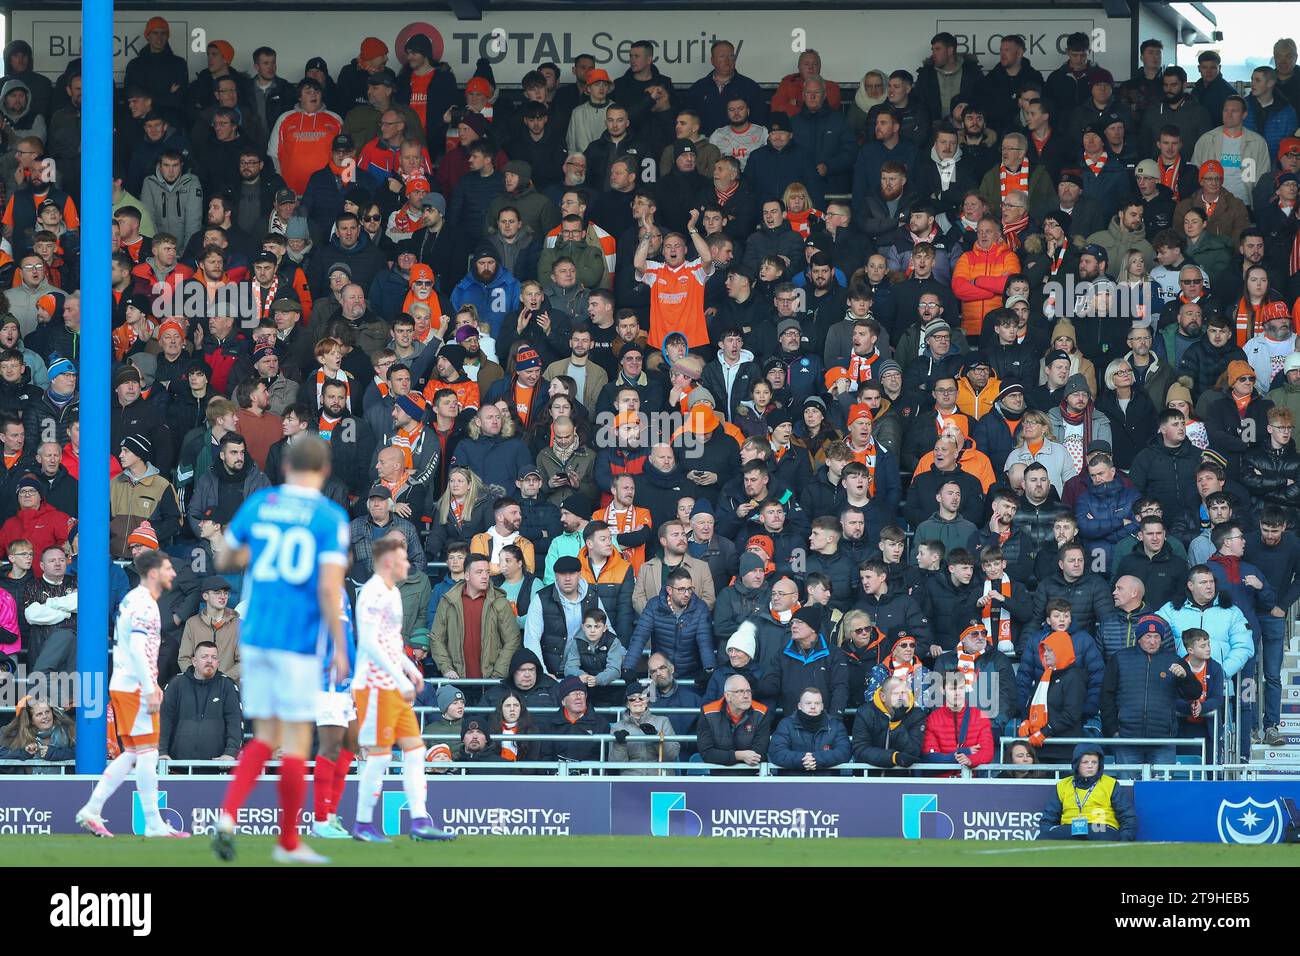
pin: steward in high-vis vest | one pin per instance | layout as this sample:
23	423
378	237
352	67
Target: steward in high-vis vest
1091	805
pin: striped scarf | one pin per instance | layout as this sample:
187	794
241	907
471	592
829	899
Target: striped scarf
406	439
966	666
509	749
340	376
725	197
1098	164
1010	180
1011	233
1169	176
861	368
1038	705
262	298
1003	616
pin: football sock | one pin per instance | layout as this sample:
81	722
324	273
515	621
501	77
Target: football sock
146	782
413	781
114	776
322	788
252	759
341	767
372	782
293	789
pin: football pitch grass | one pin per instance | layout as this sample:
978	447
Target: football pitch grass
132	851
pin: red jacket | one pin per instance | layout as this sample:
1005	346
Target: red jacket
788	98
44	527
942	728
978	280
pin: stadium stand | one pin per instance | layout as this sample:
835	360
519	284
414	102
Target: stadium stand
927	425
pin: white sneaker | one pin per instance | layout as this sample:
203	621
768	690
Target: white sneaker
92	823
166	830
301	854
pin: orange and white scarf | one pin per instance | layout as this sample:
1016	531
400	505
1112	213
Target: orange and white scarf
993	608
785	617
323	376
1011	180
862	368
1097	164
406	439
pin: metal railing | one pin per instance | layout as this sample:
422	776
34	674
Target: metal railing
596	768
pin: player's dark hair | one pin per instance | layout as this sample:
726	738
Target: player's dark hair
145	561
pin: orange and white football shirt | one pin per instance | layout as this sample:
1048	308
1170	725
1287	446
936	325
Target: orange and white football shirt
677	301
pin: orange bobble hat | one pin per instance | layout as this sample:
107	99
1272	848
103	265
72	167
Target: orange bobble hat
157	23
479	85
1210	166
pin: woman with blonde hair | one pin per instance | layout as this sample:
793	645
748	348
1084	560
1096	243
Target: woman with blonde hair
462	512
1137	293
1131	412
1065	339
1036	442
799	211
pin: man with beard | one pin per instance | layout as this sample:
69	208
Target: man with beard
234	476
488	287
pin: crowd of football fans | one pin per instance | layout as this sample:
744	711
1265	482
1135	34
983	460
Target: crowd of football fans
871	422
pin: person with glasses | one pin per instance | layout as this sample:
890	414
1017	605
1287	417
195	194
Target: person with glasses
1270	470
677	624
638	734
735	730
989	675
1237	422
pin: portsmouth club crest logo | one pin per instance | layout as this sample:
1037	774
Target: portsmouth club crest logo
1251	821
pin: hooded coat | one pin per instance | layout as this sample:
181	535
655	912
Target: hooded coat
539	699
1103	793
1066	691
176	207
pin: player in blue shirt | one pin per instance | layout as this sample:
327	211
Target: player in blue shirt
336	730
292	543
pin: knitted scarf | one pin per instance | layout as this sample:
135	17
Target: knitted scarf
1097	164
406	439
509	749
263	297
995	612
1011	232
724	197
1010	180
1038	705
1073	445
1169	176
861	368
966	666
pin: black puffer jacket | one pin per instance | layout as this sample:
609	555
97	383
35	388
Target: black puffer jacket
952	608
1169	476
1089	597
1204	363
1272	476
1232	434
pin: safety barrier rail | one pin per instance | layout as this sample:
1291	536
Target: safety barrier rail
566	768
